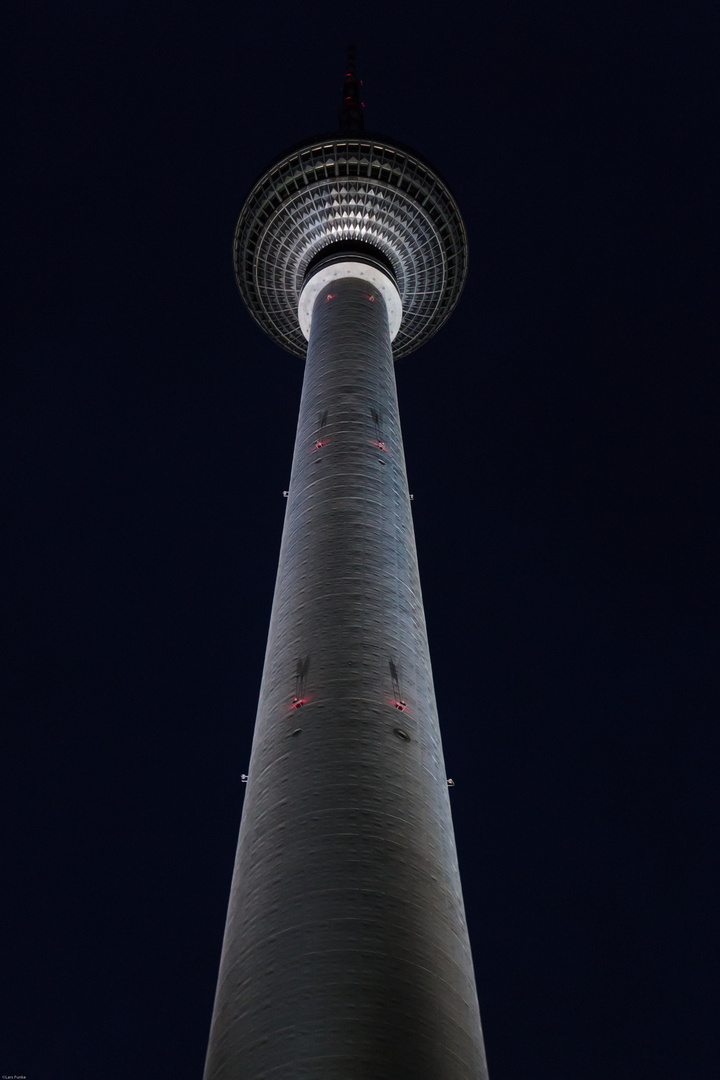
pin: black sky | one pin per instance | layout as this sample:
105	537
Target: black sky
561	441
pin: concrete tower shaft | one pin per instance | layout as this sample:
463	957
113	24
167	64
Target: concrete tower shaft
346	952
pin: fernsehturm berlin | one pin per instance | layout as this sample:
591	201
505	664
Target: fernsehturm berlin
346	952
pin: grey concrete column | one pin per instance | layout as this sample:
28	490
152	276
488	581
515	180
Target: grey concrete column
346	954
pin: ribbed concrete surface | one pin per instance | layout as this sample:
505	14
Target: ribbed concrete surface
346	954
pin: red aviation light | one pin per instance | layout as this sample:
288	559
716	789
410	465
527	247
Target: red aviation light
298	702
319	443
369	297
401	705
380	446
330	296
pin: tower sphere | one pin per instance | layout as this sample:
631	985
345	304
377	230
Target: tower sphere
366	195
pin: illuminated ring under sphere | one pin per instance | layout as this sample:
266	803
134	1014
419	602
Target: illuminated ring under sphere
339	189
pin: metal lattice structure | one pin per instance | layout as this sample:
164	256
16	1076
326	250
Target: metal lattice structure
364	189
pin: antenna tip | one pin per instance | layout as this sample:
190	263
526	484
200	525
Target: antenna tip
351	107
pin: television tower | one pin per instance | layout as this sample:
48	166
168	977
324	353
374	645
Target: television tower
346	953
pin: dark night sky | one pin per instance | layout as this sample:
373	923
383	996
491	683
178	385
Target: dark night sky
560	434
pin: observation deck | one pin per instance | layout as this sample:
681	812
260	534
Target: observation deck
350	188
